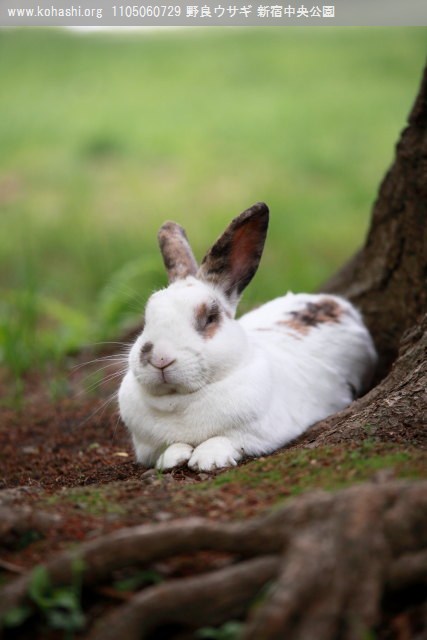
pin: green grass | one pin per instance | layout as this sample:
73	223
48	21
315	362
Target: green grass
94	500
328	468
103	137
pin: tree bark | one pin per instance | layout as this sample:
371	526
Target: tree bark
394	411
387	278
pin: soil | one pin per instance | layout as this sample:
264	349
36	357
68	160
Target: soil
70	455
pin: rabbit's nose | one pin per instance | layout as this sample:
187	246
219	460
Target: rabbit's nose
161	362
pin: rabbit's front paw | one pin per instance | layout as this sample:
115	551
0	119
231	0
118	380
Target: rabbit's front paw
215	453
174	456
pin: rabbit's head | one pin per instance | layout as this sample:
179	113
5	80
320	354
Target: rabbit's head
190	338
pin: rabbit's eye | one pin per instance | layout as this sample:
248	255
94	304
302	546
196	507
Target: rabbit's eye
212	314
207	319
212	317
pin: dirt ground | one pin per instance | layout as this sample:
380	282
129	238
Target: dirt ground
70	454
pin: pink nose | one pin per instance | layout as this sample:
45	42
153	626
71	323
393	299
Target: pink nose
161	362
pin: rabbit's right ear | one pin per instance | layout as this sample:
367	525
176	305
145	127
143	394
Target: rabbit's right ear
176	251
233	260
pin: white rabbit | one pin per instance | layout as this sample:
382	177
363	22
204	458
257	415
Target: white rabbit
205	389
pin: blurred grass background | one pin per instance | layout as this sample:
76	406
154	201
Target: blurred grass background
104	136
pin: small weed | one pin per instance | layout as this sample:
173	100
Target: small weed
27	538
17	617
15	397
59	387
229	631
59	607
19	317
92	500
102	146
138	580
93	381
370	429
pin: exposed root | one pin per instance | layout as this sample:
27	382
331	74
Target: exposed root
204	600
141	546
408	569
16	521
330	560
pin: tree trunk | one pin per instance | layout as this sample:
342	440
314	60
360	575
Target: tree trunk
394	410
387	278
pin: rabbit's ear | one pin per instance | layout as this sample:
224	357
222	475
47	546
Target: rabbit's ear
176	251
234	258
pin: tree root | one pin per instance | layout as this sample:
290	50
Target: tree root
143	545
15	521
408	569
207	600
329	559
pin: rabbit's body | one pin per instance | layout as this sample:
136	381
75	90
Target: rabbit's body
207	389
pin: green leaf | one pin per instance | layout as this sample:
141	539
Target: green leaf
17	616
60	606
119	303
228	631
27	538
78	566
64	598
139	579
40	587
66	620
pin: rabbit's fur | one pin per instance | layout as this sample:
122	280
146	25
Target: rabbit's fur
205	389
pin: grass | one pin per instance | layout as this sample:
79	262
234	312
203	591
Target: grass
96	500
293	472
258	485
104	137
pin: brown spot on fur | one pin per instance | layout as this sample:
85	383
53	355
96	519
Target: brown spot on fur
279	329
208	319
295	325
176	251
326	310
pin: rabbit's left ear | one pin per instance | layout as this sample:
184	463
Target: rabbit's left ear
176	251
233	260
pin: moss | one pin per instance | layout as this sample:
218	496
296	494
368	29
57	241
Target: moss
294	471
94	500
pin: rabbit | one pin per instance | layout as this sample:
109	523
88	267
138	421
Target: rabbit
207	390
